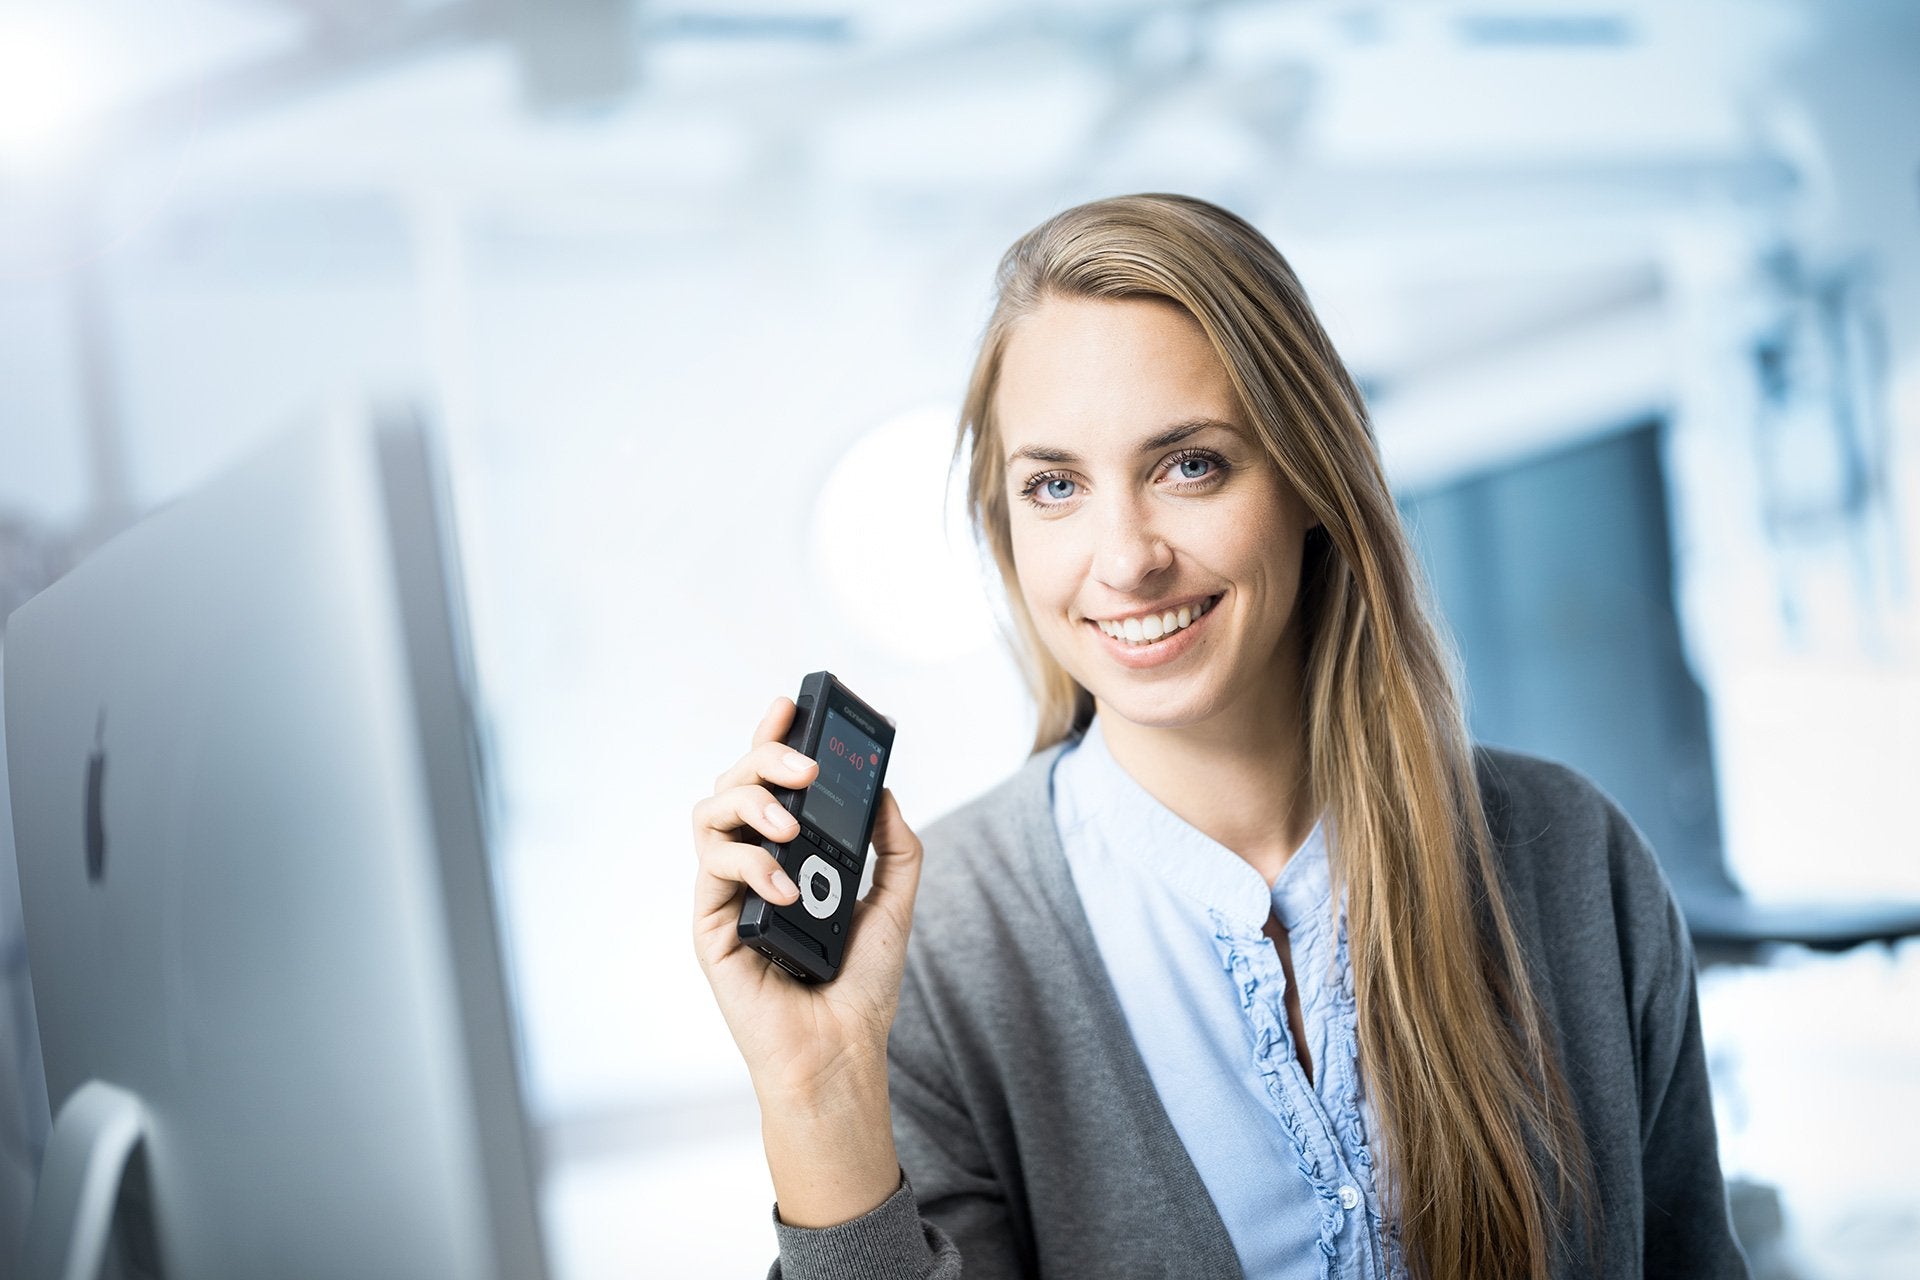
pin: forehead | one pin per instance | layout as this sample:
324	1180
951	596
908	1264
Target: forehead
1084	374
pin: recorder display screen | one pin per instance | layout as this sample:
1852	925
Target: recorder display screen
838	801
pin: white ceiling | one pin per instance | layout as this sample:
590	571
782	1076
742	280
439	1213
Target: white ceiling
1446	176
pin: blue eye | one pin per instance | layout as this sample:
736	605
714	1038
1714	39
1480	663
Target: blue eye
1196	465
1050	489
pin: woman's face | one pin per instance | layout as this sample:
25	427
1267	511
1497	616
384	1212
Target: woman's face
1157	546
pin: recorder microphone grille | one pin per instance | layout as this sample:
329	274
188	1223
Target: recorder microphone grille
807	940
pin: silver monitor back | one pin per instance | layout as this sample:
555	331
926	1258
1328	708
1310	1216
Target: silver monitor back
255	877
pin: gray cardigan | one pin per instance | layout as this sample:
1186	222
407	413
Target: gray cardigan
1033	1143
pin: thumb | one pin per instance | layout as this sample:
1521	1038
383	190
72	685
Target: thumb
896	870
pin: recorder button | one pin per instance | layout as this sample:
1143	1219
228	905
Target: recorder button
822	881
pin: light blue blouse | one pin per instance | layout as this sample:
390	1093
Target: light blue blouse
1178	919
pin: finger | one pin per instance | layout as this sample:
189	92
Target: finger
726	867
774	725
892	837
744	806
773	762
896	869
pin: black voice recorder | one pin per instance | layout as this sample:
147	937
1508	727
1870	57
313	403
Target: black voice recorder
851	743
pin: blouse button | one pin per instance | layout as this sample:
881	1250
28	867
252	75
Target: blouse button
1349	1198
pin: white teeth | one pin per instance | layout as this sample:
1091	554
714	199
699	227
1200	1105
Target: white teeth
1139	631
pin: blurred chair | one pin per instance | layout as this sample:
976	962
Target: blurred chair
1556	576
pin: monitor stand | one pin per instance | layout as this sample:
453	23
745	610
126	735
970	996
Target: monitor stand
96	1134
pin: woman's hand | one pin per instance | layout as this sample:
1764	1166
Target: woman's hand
802	1043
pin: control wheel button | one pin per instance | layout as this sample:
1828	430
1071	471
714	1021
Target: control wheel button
823	883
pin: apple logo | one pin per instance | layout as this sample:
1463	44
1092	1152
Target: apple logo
96	825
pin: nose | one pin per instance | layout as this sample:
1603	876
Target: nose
1130	549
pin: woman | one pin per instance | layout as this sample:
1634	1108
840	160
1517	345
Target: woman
1256	967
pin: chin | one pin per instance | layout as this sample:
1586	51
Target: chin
1164	708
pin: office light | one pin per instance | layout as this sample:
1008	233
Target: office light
890	540
46	95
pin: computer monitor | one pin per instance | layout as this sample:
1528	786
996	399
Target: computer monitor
260	915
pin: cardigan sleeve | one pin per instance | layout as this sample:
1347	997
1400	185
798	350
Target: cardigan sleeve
1687	1230
889	1242
949	1205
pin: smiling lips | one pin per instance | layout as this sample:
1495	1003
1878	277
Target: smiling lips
1143	630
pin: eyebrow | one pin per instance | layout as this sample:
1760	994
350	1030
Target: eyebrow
1171	436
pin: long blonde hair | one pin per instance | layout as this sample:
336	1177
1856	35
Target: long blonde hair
1485	1167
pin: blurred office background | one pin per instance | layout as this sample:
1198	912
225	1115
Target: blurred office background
691	287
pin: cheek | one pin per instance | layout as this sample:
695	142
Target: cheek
1266	533
1228	543
1045	566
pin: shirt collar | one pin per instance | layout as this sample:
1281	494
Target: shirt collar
1091	790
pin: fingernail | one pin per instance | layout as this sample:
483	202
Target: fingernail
779	817
797	761
783	883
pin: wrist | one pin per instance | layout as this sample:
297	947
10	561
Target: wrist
831	1152
854	1083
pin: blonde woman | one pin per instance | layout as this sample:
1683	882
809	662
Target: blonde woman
1256	967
